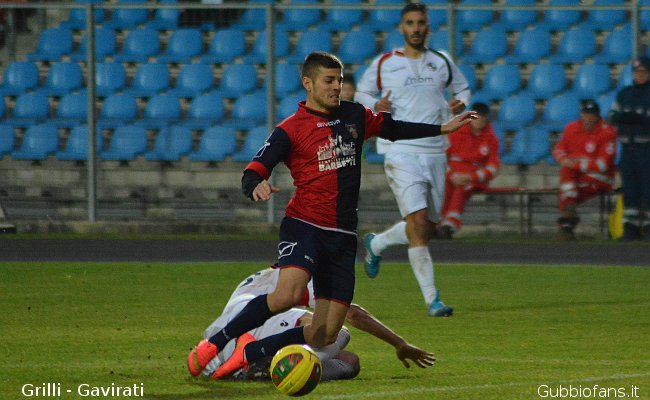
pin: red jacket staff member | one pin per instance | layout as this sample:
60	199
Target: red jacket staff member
473	160
586	153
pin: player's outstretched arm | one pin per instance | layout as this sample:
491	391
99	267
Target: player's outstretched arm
363	320
456	122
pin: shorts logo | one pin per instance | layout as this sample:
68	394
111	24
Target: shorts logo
286	248
284	323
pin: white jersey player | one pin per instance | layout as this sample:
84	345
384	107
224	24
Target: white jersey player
412	83
337	363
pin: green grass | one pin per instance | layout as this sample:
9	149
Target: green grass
515	328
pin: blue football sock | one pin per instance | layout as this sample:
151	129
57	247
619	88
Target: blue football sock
270	345
254	314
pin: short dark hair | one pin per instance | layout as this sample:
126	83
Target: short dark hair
350	80
481	109
319	59
421	7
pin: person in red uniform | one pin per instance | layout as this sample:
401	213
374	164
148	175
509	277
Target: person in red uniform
472	162
586	153
321	145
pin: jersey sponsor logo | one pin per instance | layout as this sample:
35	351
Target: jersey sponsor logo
328	123
286	248
419	80
336	154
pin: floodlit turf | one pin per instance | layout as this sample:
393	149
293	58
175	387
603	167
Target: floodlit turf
517	330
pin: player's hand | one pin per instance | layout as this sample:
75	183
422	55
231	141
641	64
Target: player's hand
568	162
420	357
384	105
263	190
456	106
458	121
459	179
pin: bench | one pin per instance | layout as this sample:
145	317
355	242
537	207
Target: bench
526	198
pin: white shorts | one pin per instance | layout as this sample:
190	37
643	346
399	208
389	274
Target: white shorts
417	181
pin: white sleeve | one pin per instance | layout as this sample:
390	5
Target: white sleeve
459	87
367	90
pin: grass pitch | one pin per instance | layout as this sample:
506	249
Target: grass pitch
519	332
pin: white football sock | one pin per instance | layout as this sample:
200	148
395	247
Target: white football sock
422	266
394	235
331	350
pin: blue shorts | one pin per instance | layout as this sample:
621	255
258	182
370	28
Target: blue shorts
328	256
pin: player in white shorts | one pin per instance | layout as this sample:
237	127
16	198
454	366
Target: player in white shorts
337	363
412	83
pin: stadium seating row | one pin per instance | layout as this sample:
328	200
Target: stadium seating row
131	141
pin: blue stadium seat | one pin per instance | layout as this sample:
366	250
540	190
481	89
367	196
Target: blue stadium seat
248	111
139	45
517	20
561	20
385	20
308	42
126	143
617	48
300	19
105	45
500	81
470	74
545	81
76	146
559	111
53	43
351	53
7	139
644	15
117	110
531	47
161	110
437	17
225	46
19	77
516	112
71	111
605	102
38	143
171	144
528	147
606	19
238	79
575	46
371	153
488	45
127	18
150	79
342	20
252	19
109	78
77	16
500	134
288	106
393	40
287	80
439	40
471	20
182	45
625	77
62	78
216	143
205	110
253	142
193	80
258	53
2	108
165	18
30	109
591	80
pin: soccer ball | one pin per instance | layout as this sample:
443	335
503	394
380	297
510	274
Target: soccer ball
296	370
